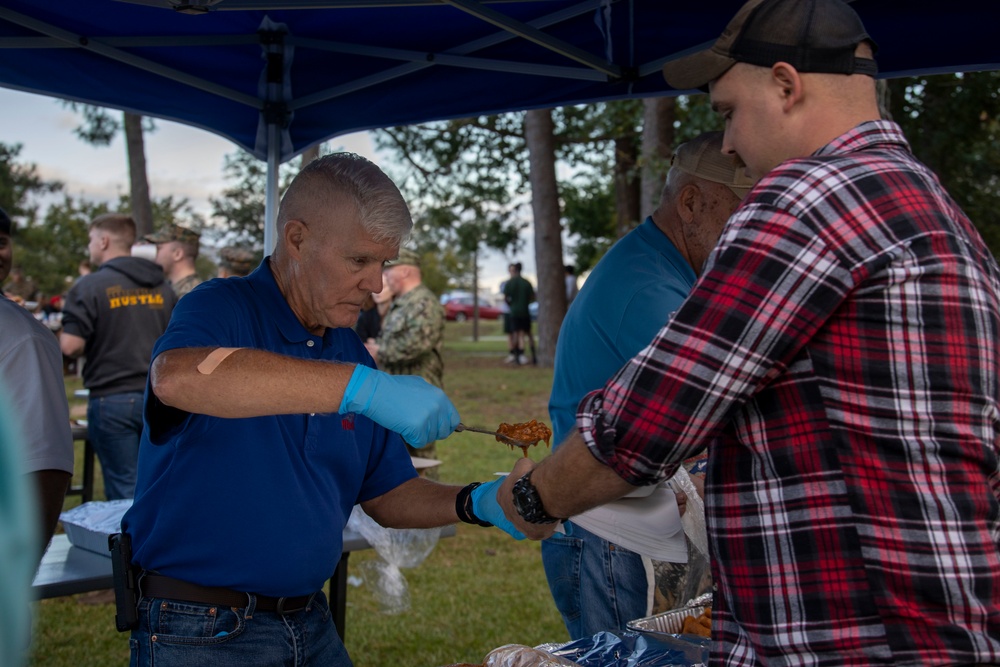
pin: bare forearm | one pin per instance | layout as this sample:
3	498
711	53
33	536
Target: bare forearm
418	503
71	345
248	383
50	487
572	480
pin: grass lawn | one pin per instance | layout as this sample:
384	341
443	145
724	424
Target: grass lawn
475	592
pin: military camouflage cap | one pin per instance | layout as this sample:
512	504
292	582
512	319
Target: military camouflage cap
407	257
237	260
173	233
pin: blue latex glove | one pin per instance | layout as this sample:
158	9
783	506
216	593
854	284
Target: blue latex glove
406	404
486	507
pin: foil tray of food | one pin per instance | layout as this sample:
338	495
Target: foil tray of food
694	618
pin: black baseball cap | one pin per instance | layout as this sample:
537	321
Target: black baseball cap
5	223
811	35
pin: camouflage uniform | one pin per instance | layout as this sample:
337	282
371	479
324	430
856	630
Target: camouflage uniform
411	340
181	234
186	284
237	261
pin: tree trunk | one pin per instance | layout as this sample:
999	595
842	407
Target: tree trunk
475	295
627	192
539	135
142	207
657	146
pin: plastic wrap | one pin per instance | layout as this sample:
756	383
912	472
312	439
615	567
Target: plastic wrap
697	578
518	655
88	525
396	548
693	519
632	649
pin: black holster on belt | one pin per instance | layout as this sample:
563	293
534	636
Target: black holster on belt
125	577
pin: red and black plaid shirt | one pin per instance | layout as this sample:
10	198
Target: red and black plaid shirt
839	359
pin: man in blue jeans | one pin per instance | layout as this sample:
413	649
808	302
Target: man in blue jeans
113	316
266	423
598	585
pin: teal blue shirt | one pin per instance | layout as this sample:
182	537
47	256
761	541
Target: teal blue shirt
18	550
625	301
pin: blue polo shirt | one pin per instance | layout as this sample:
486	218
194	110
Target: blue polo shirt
626	300
256	504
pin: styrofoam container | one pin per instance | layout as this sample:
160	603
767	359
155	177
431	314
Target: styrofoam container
89	525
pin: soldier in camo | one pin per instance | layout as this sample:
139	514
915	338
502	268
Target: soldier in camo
236	262
176	250
412	331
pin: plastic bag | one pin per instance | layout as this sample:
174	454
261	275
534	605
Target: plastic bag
518	655
632	649
697	575
396	548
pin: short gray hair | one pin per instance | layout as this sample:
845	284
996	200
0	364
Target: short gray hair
381	207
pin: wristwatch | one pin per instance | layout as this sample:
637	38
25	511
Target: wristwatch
528	504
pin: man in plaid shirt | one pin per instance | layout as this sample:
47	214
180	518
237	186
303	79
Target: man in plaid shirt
839	360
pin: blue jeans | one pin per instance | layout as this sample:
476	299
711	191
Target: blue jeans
114	424
595	584
187	634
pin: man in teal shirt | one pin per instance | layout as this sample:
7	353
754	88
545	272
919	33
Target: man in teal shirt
628	297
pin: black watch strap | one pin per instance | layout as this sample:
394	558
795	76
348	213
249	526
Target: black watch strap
528	503
464	509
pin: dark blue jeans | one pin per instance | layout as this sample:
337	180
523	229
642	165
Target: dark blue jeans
114	424
188	634
595	584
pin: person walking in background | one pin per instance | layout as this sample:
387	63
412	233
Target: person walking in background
113	316
839	359
519	293
176	251
412	332
598	584
31	370
236	262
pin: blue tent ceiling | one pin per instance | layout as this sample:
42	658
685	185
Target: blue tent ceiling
338	67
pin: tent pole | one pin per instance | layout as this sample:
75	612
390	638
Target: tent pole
271	188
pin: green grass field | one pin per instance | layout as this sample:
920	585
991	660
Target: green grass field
475	592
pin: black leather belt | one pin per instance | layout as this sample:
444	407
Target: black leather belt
159	586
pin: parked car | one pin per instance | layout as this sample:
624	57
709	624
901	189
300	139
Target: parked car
459	309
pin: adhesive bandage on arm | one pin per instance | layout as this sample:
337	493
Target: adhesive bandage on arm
214	358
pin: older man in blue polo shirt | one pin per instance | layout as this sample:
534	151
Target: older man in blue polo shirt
266	423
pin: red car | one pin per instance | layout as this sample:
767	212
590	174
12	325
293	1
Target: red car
459	309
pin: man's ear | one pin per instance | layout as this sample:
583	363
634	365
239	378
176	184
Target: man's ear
294	233
789	82
687	202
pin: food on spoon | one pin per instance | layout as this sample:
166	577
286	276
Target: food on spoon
526	434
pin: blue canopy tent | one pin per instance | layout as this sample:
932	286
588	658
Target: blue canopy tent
278	77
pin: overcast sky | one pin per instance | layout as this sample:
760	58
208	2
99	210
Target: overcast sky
181	161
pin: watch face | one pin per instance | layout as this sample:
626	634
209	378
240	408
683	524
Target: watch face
522	497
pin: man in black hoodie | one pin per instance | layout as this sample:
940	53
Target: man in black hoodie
114	315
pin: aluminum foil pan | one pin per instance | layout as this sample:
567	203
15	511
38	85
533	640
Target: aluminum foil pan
670	622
